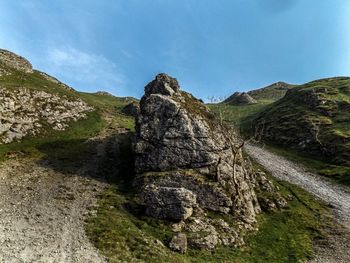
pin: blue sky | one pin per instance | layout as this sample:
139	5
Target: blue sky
213	47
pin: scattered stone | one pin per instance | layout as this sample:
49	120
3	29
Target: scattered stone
14	61
24	112
179	243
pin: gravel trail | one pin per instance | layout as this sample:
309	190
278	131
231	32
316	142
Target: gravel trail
42	214
337	247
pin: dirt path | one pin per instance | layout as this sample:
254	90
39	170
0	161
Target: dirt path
337	248
42	210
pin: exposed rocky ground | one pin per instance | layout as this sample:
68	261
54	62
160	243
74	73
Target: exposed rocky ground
337	248
43	207
28	112
13	61
189	165
132	109
32	102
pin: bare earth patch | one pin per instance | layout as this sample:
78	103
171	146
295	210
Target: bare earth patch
43	209
42	214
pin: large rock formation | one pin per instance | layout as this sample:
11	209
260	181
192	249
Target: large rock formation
188	165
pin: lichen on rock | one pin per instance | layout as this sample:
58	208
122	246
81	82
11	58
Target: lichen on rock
181	145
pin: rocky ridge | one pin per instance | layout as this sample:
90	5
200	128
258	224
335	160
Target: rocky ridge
13	61
30	104
188	167
25	112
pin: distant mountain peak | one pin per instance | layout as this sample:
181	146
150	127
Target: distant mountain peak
240	98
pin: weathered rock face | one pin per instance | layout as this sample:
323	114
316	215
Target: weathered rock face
179	145
168	202
25	112
132	109
14	61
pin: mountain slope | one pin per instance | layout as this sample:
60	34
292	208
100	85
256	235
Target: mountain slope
313	118
37	111
272	92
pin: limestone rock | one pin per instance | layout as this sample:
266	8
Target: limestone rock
15	62
24	112
179	243
132	109
168	202
180	145
269	197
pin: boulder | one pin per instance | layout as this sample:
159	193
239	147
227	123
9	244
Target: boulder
179	243
168	202
175	131
188	164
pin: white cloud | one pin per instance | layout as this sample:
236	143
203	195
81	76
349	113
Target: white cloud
88	71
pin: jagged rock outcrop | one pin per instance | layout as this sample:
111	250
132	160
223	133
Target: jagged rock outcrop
240	98
27	112
13	61
185	162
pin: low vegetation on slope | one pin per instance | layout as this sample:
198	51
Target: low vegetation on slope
272	92
240	114
313	118
123	233
309	125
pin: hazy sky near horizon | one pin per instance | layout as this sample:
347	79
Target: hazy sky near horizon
212	47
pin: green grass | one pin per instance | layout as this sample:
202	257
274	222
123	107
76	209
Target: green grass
238	115
66	145
291	118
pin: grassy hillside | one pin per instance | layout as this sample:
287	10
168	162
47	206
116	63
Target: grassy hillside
310	125
313	118
241	115
272	92
70	142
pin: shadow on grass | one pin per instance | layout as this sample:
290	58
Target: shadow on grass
108	159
